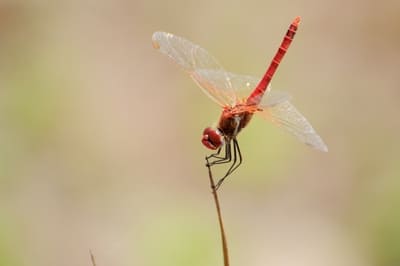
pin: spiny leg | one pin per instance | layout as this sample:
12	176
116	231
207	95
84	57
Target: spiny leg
229	170
236	149
219	159
234	166
216	155
228	155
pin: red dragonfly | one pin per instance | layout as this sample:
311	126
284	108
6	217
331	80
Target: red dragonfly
240	97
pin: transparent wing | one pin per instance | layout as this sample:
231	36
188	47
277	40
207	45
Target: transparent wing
225	88
240	87
273	98
217	84
201	66
286	115
183	52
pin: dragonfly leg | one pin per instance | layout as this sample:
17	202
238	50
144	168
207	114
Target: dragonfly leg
219	159
215	155
236	149
236	163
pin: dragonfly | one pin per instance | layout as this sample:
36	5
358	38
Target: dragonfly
239	96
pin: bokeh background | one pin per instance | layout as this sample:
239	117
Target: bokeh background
100	135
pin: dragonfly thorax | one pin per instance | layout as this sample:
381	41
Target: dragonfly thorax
230	124
234	119
212	138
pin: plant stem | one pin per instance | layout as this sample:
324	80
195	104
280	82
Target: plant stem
92	258
221	224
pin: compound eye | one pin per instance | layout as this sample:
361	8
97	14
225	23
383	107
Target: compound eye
212	138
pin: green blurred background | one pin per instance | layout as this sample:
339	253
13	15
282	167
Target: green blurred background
100	135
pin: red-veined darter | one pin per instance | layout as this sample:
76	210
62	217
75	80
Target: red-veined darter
239	96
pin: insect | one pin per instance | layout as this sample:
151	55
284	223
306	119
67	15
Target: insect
239	96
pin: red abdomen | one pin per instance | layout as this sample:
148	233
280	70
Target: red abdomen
259	91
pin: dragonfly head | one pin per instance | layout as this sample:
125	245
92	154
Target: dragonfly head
212	138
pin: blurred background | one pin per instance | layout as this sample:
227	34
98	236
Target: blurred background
100	135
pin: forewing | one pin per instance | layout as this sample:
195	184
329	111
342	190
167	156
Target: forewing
226	87
200	65
287	116
232	88
186	54
223	87
243	85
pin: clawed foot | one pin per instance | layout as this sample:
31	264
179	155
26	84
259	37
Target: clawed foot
208	164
